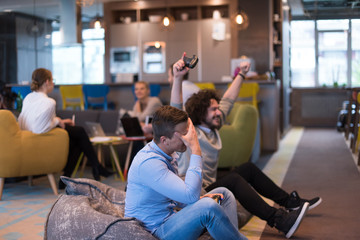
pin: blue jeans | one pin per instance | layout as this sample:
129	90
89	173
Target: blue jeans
190	222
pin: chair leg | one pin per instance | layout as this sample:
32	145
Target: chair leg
53	183
2	181
77	165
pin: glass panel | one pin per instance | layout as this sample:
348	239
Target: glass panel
67	61
333	24
302	54
332	58
94	51
355	56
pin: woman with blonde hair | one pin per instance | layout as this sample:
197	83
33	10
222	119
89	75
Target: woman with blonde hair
145	105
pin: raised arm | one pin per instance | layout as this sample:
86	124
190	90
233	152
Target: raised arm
179	71
233	91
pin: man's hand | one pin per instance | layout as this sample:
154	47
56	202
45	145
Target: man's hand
190	139
179	68
244	67
216	196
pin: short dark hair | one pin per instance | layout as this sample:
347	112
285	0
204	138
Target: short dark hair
196	106
164	121
39	77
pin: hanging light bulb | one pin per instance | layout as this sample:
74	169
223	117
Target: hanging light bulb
239	19
97	24
157	45
166	21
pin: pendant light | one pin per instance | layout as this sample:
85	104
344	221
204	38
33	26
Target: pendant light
97	22
240	20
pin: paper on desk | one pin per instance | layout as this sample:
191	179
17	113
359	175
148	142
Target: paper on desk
100	139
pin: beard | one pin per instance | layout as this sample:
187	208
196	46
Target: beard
213	123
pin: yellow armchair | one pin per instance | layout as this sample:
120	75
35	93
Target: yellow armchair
23	153
238	137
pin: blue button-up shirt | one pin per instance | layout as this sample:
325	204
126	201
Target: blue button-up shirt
154	187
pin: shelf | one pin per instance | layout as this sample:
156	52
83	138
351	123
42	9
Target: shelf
207	11
120	16
277	64
177	12
145	13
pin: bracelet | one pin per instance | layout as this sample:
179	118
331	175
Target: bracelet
242	75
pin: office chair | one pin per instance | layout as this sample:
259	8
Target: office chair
72	96
96	96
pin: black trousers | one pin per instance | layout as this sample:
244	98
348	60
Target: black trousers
246	182
79	142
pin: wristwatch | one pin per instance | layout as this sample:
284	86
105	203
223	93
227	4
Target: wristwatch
242	75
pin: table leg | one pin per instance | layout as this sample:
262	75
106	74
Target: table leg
116	159
128	155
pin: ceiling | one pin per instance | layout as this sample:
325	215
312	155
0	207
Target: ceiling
299	8
324	9
50	9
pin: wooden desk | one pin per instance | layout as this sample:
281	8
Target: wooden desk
109	141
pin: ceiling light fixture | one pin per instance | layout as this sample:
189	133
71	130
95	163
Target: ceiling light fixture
168	22
97	22
240	20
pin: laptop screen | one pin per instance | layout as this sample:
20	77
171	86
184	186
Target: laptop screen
132	127
95	129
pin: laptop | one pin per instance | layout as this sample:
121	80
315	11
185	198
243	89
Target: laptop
97	133
132	127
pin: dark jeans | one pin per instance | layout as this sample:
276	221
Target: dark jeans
79	142
246	182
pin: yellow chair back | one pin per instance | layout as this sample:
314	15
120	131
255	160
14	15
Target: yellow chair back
72	96
205	85
248	93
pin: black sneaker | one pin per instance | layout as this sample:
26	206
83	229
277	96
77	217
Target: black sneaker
288	222
295	202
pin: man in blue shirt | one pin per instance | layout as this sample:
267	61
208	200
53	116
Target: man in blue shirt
154	188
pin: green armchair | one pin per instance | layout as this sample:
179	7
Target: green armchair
23	153
238	136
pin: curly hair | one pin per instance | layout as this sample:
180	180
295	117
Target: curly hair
196	106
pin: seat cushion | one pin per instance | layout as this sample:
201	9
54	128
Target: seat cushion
91	210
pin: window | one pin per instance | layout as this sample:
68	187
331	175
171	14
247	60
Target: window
303	53
321	55
355	53
94	52
76	63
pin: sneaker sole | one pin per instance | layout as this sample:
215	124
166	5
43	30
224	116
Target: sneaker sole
310	206
298	220
315	204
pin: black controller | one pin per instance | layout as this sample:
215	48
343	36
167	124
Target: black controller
191	62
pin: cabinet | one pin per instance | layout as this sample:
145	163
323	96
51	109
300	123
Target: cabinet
129	24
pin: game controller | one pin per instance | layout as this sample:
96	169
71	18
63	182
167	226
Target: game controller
217	198
191	62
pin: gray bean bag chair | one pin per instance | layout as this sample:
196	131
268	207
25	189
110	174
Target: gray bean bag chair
93	210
